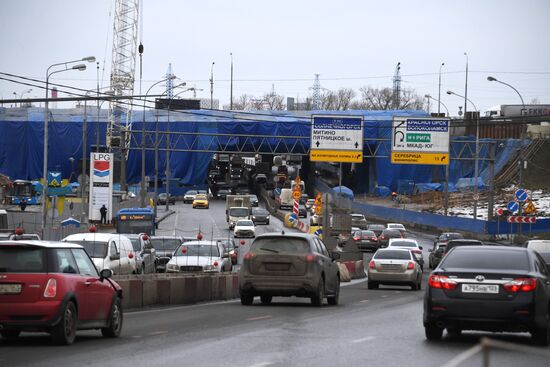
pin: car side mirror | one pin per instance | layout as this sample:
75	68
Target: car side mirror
105	274
335	255
114	257
420	247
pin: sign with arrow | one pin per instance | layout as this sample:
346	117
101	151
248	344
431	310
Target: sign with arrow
521	195
420	140
336	138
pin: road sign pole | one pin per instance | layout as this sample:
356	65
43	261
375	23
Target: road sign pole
491	203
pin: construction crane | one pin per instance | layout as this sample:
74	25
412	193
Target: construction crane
125	36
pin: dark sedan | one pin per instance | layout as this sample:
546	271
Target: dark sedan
162	199
365	240
489	288
443	247
260	215
446	237
386	234
376	228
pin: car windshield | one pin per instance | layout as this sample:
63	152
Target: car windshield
545	256
259	211
280	244
136	244
391	233
191	192
96	249
238	212
540	245
478	258
198	250
356	216
392	255
22	259
403	244
165	244
379	227
227	244
200	197
245	223
365	233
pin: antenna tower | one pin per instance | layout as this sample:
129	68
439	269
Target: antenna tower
397	86
170	82
316	99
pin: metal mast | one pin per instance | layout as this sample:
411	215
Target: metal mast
397	86
125	37
170	82
316	99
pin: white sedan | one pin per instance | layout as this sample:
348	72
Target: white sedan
199	256
398	226
409	244
244	228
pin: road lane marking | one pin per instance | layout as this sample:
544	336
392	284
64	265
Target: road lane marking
362	339
264	317
364	301
263	364
136	336
157	333
384	296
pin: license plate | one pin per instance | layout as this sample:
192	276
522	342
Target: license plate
480	288
277	267
10	288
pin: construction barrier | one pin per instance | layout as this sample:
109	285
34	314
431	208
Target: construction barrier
344	273
355	269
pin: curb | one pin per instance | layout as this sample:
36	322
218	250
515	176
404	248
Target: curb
166	215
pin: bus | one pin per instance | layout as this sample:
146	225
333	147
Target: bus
135	221
24	189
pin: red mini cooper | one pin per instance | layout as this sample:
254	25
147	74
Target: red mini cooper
55	287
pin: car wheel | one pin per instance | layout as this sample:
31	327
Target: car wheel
433	332
333	300
10	334
247	299
115	321
419	285
541	336
266	299
414	286
65	331
319	296
372	285
267	222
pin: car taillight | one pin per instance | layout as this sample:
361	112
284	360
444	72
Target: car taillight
248	256
51	288
410	266
310	258
233	256
521	285
416	252
382	237
374	239
371	264
441	282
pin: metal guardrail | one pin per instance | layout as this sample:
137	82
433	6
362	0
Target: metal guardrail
486	345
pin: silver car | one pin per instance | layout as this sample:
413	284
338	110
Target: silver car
145	253
394	266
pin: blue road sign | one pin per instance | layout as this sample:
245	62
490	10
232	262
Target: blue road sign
513	206
521	195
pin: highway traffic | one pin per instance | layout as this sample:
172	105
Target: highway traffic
369	326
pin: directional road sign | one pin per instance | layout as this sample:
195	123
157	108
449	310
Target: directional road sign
420	141
521	219
521	195
500	212
336	138
513	206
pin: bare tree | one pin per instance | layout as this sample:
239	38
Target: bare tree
382	99
344	96
274	101
243	102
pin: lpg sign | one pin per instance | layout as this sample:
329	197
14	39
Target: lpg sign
101	185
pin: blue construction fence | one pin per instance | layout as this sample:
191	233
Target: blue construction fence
442	222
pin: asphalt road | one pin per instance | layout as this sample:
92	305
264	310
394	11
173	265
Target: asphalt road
369	328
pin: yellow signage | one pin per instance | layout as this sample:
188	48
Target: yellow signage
419	158
296	195
336	156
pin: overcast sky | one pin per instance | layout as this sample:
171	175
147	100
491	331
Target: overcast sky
284	43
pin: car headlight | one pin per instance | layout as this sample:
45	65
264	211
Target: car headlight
209	267
253	217
172	267
267	217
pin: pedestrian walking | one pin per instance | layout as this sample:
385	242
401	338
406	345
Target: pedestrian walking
23	204
103	212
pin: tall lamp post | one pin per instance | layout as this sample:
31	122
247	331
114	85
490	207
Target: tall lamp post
439	93
143	194
438	101
21	97
465	86
523	111
231	85
212	86
80	67
476	169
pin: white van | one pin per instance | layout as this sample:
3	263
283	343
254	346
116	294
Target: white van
107	250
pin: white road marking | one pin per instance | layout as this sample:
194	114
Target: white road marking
264	317
364	301
263	364
362	339
384	296
157	333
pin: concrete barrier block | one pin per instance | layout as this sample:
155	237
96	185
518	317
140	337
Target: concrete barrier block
163	291
360	269
125	285
344	273
191	286
235	282
150	292
229	286
136	294
351	267
177	291
222	288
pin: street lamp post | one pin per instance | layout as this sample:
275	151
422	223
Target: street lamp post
21	97
439	92
465	86
438	101
231	85
212	86
143	194
80	67
476	166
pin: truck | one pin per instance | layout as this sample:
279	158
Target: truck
285	199
237	207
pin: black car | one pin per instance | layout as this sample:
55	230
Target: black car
376	228
365	240
386	234
223	191
302	211
489	288
442	248
254	200
260	215
162	199
446	237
